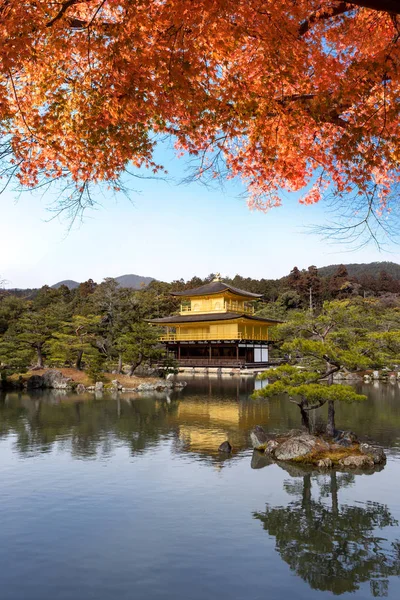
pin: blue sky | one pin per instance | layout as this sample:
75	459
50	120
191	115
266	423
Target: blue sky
166	231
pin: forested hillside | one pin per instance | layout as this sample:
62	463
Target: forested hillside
364	269
102	326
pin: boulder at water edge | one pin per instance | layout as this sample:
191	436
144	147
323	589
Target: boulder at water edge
375	452
258	438
295	447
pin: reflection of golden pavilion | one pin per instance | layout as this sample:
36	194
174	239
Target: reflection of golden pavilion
217	327
204	426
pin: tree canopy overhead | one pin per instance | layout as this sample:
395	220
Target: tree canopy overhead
284	95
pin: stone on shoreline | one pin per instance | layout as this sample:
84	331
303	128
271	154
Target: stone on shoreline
51	379
116	386
295	447
358	461
375	452
258	438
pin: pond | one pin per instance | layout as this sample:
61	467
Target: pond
120	498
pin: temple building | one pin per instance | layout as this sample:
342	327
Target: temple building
216	327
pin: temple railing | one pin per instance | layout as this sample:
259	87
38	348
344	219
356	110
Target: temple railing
209	307
183	337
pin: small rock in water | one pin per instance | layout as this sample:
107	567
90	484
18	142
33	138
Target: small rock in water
225	447
99	386
80	388
258	438
325	463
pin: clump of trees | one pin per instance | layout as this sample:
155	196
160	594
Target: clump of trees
94	327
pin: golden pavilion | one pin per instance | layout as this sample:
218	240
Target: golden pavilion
216	327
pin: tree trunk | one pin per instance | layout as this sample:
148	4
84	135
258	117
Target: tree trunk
135	365
119	368
39	357
330	426
305	420
78	364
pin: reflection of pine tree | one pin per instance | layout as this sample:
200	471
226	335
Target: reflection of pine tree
333	548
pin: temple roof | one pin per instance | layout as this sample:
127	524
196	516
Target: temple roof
210	317
215	287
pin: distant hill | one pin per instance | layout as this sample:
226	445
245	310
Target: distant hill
70	283
357	270
135	282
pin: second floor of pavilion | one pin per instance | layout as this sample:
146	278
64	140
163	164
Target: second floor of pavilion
216	297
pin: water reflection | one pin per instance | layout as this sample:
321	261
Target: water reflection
333	547
208	412
86	426
146	492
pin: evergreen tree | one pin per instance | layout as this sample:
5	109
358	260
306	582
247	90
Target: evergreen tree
74	342
138	344
343	336
32	331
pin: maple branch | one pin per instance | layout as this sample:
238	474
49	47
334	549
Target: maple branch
64	7
320	15
389	6
339	8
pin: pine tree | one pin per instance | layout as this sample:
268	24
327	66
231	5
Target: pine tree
344	336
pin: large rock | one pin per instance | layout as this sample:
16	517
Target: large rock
295	447
258	438
35	382
358	461
51	379
271	446
375	452
98	386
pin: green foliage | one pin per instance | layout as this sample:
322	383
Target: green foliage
344	335
75	342
139	343
302	387
95	367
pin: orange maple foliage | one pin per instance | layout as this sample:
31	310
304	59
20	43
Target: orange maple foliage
289	95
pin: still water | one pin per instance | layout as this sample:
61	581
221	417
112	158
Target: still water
126	498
